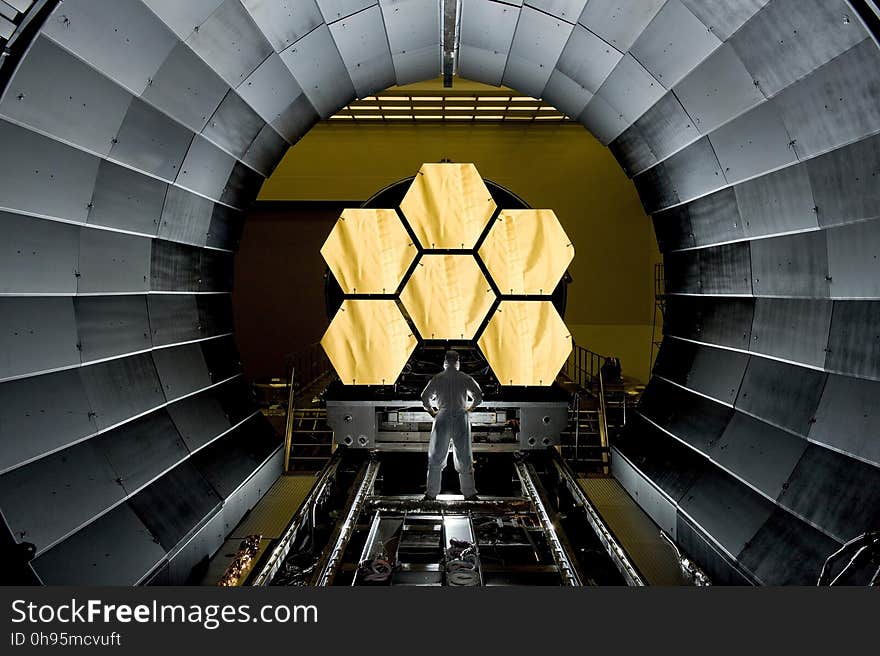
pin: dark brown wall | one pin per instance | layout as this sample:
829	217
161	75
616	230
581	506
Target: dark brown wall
278	297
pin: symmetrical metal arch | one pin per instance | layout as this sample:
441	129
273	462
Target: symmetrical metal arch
135	132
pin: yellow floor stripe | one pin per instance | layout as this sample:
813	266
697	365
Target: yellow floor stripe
277	507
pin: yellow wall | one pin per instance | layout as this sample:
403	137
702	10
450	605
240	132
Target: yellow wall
560	167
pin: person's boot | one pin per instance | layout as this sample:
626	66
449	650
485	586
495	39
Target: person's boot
472	497
428	499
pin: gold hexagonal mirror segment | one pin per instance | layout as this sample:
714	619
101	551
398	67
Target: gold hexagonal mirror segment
526	343
447	296
368	342
527	252
369	251
448	206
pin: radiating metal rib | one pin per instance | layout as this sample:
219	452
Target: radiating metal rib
566	568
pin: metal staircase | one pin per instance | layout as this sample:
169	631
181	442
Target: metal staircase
585	444
308	439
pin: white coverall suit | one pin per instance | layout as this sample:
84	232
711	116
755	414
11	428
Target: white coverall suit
448	391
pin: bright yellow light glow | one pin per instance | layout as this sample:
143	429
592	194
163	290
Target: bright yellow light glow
447	297
368	342
526	343
527	252
369	251
448	206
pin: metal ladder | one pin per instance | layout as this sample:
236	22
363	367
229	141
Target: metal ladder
311	443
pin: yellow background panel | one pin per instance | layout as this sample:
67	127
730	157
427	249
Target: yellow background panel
447	296
526	343
368	342
527	252
448	206
369	251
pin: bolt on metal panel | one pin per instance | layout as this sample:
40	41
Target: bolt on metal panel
537	44
723	17
781	394
116	549
716	218
205	169
846	183
141	450
270	89
837	493
110	326
225	228
363	44
632	151
42	414
45	176
848	418
673	229
566	95
793	265
721	321
186	88
186	217
57	93
669	58
122	39
567	10
230	42
487	30
777	202
126	199
753	143
296	120
602	120
717	373
854	260
112	262
183	17
215	313
631	89
619	22
182	370
199	419
234	125
334	10
37	335
121	389
685	176
666	128
266	150
726	269
789	39
315	63
683	273
758	453
587	59
173	319
414	30
792	329
150	141
242	186
853	343
50	498
37	256
284	22
718	90
214	271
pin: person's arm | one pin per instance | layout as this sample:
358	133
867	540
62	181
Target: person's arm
476	393
427	395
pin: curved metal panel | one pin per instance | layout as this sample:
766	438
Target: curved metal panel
537	44
721	321
317	66
689	174
203	417
602	120
619	22
182	370
567	10
48	499
150	141
711	371
130	53
673	229
41	414
854	260
186	218
215	271
835	492
205	169
853	343
225	228
682	273
631	89
666	128
777	202
37	256
848	419
838	180
266	150
116	549
792	329
669	60
230	42
715	218
296	120
723	17
726	269
363	44
45	176
414	31
215	314
717	90
173	319
587	59
174	267
334	10
112	262
121	389
758	453
221	358
242	186
126	199
284	22
141	450
186	88
566	95
487	29
782	394
36	334
234	125
111	325
183	17
57	93
794	265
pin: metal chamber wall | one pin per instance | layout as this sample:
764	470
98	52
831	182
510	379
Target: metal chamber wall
134	132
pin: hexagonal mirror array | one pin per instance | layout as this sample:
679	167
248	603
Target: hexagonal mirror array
447	296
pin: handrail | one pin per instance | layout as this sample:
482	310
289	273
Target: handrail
584	367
